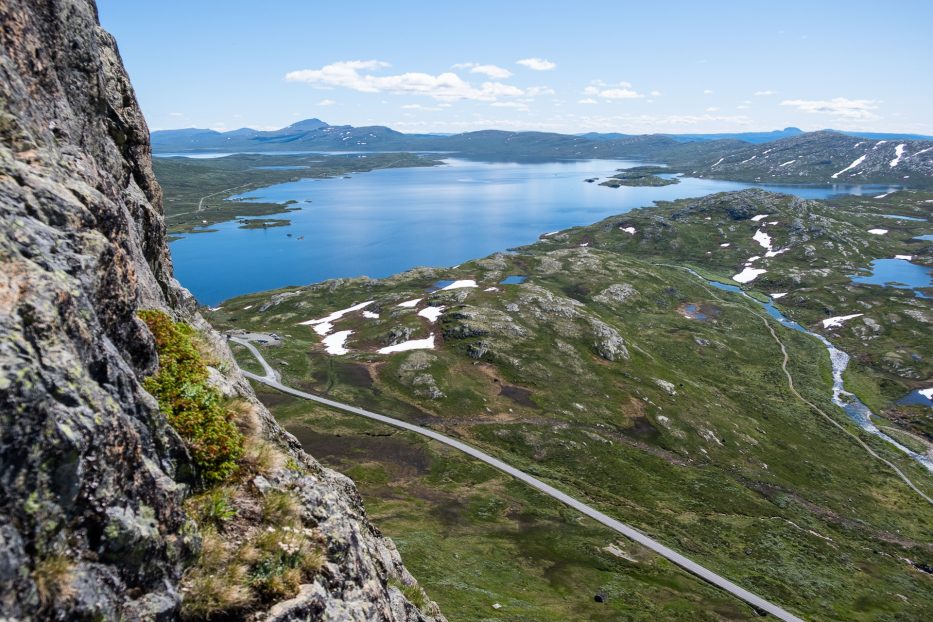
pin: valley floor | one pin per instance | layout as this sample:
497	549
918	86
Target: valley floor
639	390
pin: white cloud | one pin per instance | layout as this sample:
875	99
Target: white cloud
326	102
655	93
534	91
492	71
707	91
588	100
420	107
621	92
712	109
839	107
537	64
515	105
176	114
765	93
446	86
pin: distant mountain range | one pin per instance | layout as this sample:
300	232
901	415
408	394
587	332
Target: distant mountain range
788	155
311	134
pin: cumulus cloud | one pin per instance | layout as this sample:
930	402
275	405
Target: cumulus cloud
839	107
712	109
622	91
326	102
176	114
355	75
534	91
420	107
655	93
765	93
537	64
515	105
492	71
707	91
588	100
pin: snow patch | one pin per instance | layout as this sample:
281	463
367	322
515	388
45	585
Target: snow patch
726	245
759	217
459	284
719	162
898	154
786	163
836	322
491	289
904	257
431	313
877	231
336	343
762	238
881	196
369	315
927	393
413	344
324	325
777	295
851	166
408	304
748	274
630	230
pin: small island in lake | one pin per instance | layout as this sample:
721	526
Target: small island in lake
640	176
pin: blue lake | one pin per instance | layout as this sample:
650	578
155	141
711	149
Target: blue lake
897	273
387	221
513	280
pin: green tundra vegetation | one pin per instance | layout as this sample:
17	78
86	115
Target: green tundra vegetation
620	377
254	548
640	176
193	407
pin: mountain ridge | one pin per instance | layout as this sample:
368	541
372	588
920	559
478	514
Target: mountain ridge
305	128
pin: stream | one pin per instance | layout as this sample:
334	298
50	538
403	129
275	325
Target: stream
853	407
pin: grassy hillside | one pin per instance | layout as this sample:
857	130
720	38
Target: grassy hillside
618	376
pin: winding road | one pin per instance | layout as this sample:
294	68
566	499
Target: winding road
270	378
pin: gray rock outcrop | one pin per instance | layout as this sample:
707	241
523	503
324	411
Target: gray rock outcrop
92	478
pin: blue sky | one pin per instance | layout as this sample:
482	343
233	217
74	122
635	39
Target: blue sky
632	67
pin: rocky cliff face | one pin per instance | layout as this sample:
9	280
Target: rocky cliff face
92	478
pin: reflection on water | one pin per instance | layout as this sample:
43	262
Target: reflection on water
387	221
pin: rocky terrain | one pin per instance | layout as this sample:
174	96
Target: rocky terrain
614	373
102	501
827	157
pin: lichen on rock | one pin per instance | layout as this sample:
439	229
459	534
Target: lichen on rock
93	479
